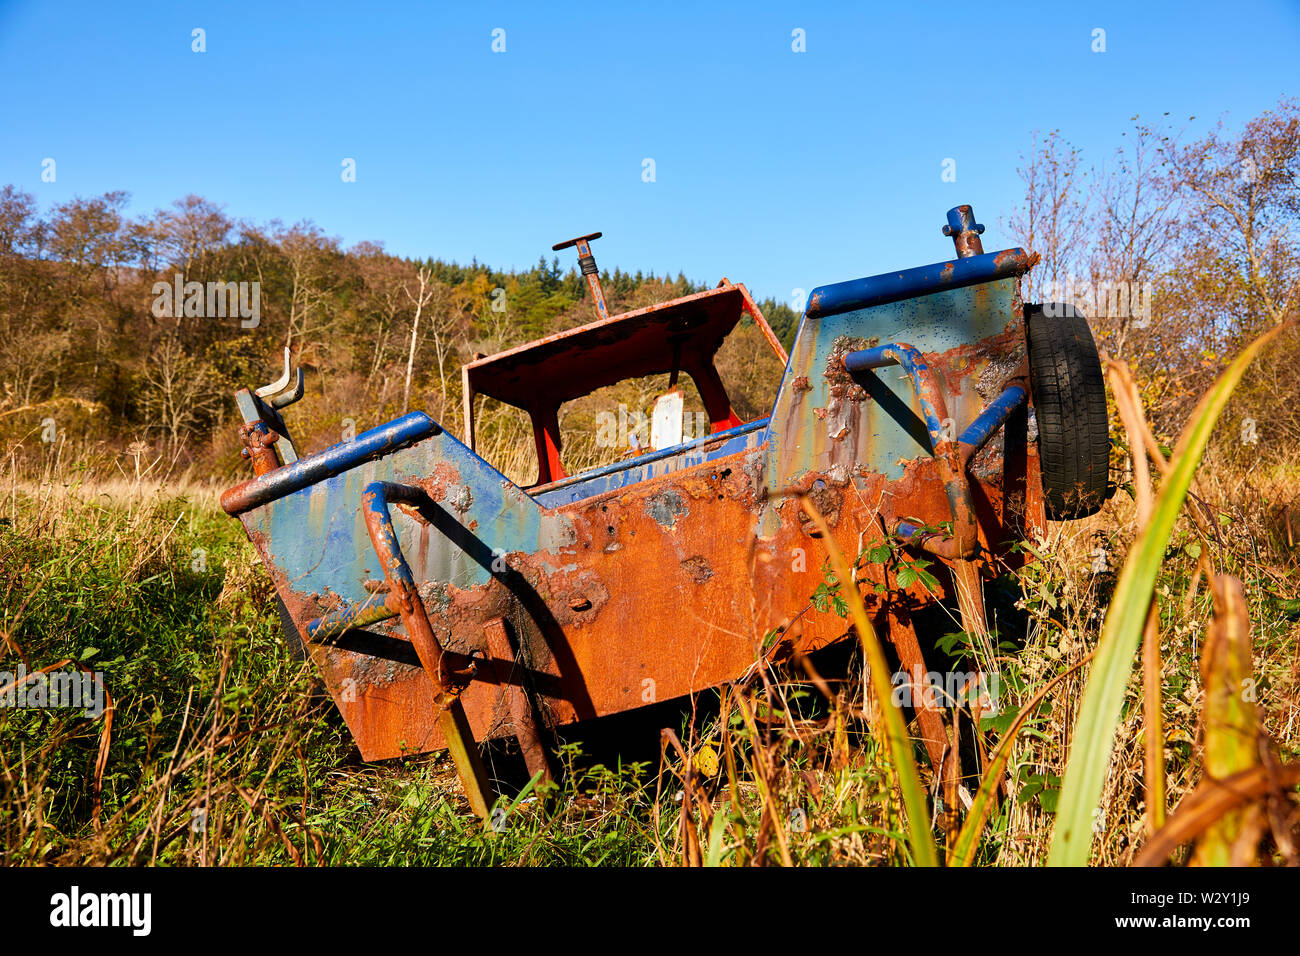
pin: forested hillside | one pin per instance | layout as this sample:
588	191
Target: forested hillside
91	359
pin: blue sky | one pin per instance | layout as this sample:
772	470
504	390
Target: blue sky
783	170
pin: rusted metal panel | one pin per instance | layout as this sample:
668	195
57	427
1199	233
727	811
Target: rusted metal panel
648	341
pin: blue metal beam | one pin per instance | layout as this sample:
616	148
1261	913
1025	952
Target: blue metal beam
923	280
326	464
991	419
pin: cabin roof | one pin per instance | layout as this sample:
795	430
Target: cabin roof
685	332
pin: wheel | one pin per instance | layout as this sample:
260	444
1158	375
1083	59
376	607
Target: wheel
1070	405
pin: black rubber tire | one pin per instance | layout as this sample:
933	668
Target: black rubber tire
1070	405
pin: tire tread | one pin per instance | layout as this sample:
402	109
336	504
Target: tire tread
1070	403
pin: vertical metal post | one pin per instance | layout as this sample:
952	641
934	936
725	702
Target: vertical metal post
965	232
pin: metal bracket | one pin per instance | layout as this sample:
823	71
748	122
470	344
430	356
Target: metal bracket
263	405
278	393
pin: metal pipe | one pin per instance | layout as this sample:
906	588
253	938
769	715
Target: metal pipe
978	433
328	463
404	595
587	264
923	280
946	451
912	361
936	542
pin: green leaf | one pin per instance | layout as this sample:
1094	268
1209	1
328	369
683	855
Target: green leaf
821	598
716	830
1029	791
1026	546
1000	723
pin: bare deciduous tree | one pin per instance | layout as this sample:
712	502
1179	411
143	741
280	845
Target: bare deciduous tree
1053	222
178	392
424	294
310	255
1248	209
1135	229
189	231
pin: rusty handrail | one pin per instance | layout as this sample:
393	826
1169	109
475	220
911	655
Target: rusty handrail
334	460
957	273
404	596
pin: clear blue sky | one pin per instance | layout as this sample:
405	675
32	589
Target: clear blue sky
779	169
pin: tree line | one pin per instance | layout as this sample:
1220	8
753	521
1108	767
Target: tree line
84	342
